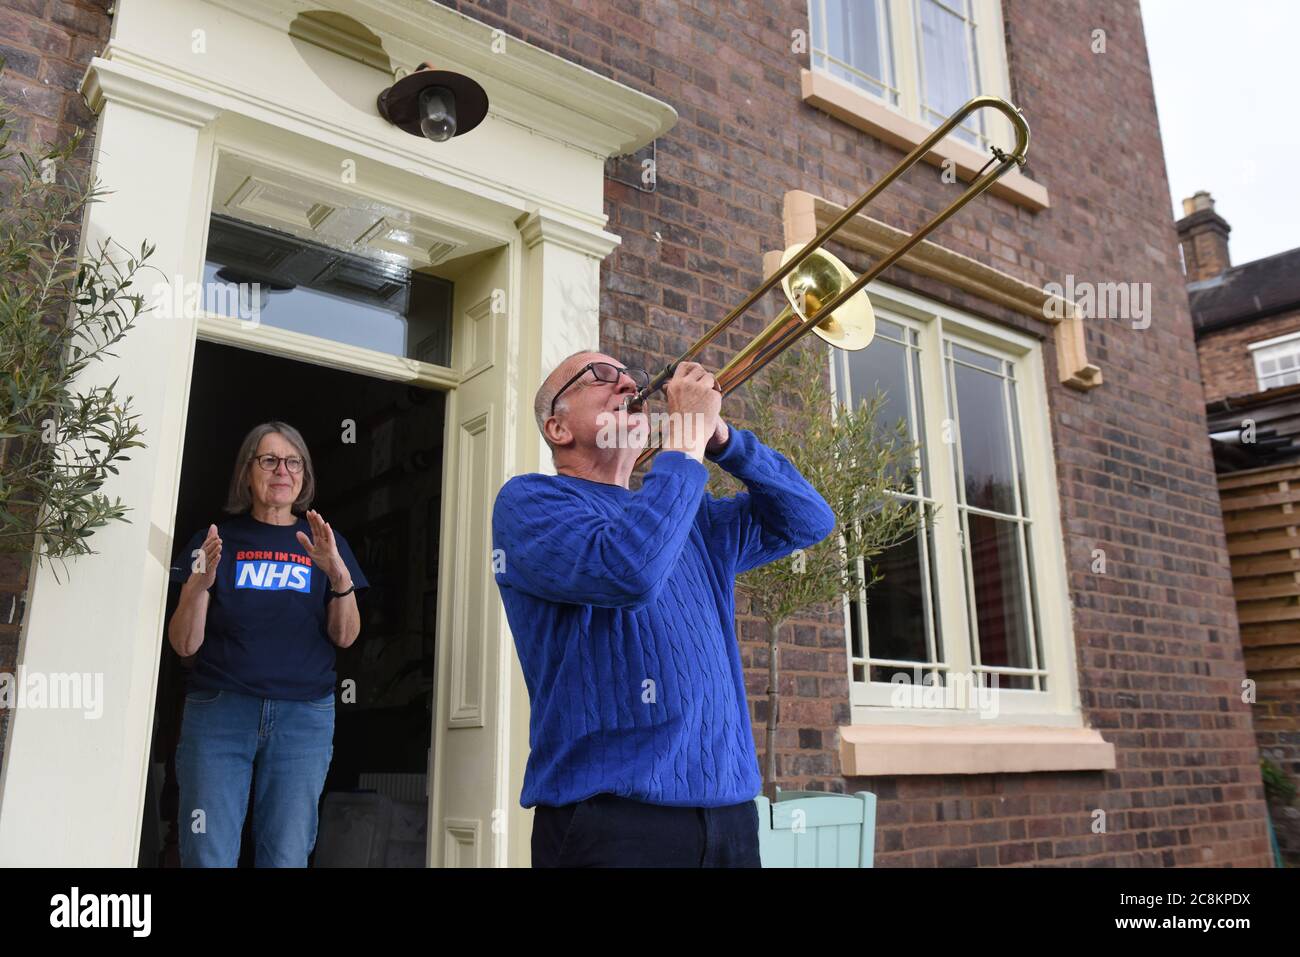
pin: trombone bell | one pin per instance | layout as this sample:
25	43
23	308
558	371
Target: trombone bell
811	285
819	279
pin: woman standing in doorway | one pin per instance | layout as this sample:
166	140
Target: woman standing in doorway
266	597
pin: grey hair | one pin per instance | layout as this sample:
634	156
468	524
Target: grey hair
239	499
546	393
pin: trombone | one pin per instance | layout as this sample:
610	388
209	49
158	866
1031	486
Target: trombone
824	296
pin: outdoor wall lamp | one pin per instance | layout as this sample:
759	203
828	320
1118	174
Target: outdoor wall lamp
436	104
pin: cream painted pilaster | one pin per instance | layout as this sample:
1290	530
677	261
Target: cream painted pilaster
74	785
559	314
561	305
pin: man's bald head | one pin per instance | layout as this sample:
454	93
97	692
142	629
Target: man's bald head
561	374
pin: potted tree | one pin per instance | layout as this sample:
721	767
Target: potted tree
855	461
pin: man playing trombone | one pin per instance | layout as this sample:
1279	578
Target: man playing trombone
622	607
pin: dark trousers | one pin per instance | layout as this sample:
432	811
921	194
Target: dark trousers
611	831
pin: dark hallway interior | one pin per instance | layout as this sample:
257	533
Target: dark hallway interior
377	450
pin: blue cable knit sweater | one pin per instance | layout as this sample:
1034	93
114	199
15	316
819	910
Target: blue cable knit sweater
622	607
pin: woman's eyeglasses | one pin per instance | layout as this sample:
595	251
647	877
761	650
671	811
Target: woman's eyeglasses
605	372
269	463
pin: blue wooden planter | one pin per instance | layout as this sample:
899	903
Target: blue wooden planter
817	829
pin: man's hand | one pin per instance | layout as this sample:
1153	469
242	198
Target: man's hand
693	403
721	435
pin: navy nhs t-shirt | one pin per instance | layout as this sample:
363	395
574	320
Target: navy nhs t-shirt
266	627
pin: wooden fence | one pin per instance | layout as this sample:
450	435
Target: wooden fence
1261	515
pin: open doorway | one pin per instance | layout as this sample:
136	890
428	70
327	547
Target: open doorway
377	447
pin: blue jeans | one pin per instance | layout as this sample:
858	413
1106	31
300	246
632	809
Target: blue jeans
229	739
607	830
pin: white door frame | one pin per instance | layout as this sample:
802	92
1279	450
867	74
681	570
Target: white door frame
73	789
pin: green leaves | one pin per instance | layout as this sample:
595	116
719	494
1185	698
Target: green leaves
57	316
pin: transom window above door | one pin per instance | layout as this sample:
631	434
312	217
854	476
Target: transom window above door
331	260
309	288
923	58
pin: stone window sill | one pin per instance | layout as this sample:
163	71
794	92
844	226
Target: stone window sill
872	751
862	111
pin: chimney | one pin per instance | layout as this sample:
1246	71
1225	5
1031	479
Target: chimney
1204	237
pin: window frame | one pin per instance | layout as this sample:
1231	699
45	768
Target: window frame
1262	349
1059	704
885	49
903	29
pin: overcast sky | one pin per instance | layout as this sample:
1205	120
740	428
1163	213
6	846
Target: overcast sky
1226	77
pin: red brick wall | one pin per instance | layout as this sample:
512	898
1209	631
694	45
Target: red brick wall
1226	364
1159	656
46	45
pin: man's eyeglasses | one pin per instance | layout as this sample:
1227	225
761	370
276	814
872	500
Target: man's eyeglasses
269	463
605	372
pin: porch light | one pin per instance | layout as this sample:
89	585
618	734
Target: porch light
436	104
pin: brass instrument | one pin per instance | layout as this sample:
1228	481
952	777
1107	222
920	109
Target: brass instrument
823	295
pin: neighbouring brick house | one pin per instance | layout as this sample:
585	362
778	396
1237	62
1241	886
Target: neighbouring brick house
1247	323
1076	548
